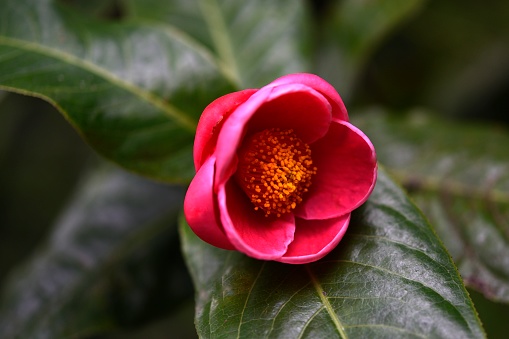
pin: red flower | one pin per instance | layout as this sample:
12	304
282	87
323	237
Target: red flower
279	170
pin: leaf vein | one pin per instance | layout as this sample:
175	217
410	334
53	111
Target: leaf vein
413	248
320	309
70	59
248	296
404	278
221	38
176	33
283	306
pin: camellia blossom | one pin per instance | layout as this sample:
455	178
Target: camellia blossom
279	170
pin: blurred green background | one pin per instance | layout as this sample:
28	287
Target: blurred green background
450	57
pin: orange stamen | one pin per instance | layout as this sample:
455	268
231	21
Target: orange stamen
275	170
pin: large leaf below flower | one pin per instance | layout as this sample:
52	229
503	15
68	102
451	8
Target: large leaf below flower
459	175
389	277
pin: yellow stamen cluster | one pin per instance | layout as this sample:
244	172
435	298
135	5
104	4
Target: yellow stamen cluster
275	170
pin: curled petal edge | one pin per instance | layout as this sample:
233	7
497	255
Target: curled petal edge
314	81
250	231
211	121
338	188
316	236
200	208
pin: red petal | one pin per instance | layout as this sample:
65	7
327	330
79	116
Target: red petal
250	231
322	86
200	208
294	106
211	121
314	239
346	173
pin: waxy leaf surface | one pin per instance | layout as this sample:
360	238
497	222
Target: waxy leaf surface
253	42
458	173
134	88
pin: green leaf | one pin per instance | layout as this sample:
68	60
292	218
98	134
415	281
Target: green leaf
133	91
253	41
352	31
389	277
56	294
458	173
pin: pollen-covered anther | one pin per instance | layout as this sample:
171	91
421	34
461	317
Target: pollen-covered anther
274	170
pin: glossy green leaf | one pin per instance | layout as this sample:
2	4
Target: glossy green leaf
56	294
352	30
131	90
458	174
135	89
389	277
253	41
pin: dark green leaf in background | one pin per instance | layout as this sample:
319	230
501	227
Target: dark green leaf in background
450	57
351	32
105	9
113	214
253	42
41	158
389	277
459	175
110	81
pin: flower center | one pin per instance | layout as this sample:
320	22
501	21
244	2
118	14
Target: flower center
275	170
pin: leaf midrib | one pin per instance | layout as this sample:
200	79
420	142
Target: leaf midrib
168	109
326	303
221	38
182	36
